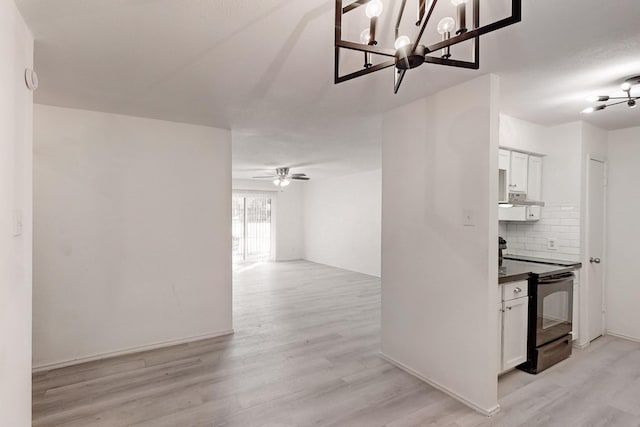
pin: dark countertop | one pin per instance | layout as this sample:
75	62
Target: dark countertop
513	270
544	261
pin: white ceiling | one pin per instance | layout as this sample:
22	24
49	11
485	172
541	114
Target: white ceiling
265	70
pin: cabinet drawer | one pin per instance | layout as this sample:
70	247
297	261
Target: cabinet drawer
515	290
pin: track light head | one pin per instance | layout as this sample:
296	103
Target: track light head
592	109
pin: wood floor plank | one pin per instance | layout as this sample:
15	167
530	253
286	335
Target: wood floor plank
305	353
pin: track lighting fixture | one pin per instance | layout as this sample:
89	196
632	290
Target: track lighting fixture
630	100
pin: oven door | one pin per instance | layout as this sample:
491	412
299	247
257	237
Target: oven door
555	308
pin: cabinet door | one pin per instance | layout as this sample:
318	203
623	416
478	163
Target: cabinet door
515	213
504	161
534	179
504	165
514	333
533	213
519	172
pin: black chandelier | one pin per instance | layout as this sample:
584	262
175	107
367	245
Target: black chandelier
631	101
407	54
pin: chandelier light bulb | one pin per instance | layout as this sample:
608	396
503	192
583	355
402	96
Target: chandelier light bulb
285	182
365	36
446	25
626	86
374	9
402	42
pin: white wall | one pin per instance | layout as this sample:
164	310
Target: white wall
622	274
288	225
132	233
342	222
440	277
16	106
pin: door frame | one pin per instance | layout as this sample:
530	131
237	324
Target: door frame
585	279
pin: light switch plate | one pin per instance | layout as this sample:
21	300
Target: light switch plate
17	223
552	243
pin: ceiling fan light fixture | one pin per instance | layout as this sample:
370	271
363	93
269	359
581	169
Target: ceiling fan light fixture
281	182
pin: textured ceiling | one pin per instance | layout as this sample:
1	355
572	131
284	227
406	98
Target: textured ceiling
265	70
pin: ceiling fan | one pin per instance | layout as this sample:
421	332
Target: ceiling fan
282	178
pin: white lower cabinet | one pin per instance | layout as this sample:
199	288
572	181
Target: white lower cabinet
513	321
514	333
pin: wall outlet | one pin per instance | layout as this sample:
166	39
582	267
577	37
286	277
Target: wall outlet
552	243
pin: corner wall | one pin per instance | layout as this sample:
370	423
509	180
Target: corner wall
16	112
342	222
132	241
440	276
622	276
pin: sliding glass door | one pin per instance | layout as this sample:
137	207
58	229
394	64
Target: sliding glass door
252	231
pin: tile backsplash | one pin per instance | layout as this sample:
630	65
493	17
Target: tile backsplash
560	222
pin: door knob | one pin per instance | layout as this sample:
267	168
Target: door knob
593	260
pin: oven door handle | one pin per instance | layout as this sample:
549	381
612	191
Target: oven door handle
557	280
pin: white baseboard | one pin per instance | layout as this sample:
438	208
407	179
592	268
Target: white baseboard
55	365
624	337
487	412
581	346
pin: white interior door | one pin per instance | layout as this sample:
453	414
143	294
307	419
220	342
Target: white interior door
595	268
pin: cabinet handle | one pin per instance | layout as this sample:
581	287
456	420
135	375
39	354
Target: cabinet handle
509	308
517	290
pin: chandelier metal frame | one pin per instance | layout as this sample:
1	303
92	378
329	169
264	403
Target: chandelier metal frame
415	54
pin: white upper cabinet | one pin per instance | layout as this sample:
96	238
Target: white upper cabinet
505	160
504	166
519	172
534	179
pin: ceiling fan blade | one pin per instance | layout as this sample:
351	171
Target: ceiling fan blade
302	178
298	174
265	177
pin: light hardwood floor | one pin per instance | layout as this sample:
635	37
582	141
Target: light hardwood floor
305	353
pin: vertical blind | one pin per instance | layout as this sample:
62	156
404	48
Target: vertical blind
251	225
